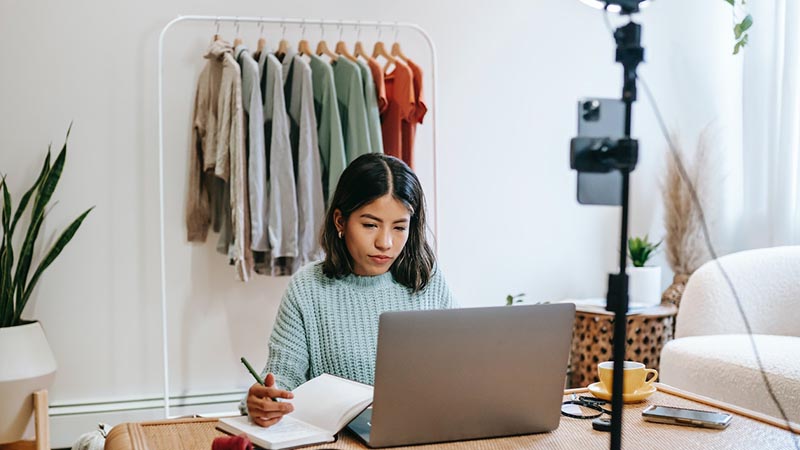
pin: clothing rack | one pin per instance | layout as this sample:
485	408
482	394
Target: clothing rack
265	20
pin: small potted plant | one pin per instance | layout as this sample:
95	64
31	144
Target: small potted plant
28	363
512	299
644	282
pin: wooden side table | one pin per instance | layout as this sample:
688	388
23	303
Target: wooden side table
648	330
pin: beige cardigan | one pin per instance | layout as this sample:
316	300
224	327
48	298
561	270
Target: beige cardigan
218	149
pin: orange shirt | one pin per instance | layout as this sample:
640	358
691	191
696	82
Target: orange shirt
380	85
401	107
409	128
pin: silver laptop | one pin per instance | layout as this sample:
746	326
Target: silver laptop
459	374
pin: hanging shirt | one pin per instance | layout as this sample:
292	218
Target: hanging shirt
329	126
256	162
231	162
305	150
400	94
281	195
202	155
380	85
373	112
352	108
409	128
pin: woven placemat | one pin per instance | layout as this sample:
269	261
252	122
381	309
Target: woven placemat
743	433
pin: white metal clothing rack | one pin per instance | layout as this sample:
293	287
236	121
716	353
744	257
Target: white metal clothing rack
265	20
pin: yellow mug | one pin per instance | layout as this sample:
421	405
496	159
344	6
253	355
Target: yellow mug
634	376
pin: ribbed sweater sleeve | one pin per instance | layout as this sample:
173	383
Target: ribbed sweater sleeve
288	350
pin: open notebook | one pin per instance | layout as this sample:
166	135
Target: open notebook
322	407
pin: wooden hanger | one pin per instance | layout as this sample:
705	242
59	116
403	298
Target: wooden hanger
238	40
341	47
262	43
380	50
216	33
283	45
398	52
322	47
303	48
360	51
359	48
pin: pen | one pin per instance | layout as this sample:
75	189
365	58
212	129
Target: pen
255	375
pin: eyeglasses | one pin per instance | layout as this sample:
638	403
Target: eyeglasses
583	407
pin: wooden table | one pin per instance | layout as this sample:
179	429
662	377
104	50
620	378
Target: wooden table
748	430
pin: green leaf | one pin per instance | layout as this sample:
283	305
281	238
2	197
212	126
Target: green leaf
747	22
730	1
6	206
52	254
23	203
737	31
640	250
43	195
6	261
50	182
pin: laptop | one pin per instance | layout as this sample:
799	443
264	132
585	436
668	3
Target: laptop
474	373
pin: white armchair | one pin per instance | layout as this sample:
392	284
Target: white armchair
712	354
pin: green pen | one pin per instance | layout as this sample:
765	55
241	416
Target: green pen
255	375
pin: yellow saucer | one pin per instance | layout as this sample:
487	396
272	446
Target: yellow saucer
599	391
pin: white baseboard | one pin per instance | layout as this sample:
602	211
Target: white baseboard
69	421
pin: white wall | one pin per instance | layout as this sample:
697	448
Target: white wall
510	75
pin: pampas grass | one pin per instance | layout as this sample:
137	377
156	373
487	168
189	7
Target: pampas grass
685	246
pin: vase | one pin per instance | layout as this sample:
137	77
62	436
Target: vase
28	366
644	285
674	292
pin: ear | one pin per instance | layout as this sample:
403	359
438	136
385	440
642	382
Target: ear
338	220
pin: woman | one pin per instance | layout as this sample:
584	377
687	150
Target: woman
377	259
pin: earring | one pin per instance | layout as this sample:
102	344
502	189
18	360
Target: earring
341	234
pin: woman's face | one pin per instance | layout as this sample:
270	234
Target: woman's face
375	234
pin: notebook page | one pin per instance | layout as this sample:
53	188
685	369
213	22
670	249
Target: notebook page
329	402
287	432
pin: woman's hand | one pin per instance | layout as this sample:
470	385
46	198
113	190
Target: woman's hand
262	409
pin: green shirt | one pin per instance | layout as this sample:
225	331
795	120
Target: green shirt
373	115
329	126
352	108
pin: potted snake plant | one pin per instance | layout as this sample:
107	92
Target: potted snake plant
28	363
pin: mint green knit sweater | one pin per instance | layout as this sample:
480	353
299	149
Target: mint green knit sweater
328	325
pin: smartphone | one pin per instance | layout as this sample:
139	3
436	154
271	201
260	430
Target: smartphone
600	117
685	416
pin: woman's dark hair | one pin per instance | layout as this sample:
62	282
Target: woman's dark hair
370	177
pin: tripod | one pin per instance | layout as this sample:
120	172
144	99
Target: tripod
603	155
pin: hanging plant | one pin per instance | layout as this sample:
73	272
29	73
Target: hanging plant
740	28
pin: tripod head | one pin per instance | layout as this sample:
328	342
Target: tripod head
617	6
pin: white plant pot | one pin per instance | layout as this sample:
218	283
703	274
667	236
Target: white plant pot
28	365
644	285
